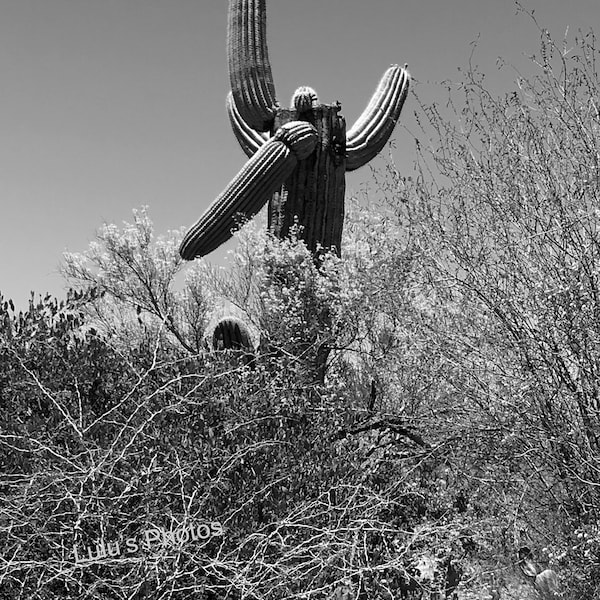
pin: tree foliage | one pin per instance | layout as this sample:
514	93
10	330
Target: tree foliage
134	273
317	485
506	206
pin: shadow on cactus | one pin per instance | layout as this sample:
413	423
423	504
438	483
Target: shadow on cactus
298	156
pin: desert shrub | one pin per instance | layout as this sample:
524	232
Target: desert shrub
505	204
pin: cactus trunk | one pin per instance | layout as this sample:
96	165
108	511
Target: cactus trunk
313	195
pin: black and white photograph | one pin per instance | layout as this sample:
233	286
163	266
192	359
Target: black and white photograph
299	300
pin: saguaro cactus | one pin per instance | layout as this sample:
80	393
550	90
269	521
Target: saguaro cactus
298	155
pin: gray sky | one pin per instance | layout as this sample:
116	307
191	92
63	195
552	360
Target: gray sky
107	105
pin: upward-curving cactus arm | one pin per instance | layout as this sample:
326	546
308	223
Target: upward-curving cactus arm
369	134
250	73
251	188
249	139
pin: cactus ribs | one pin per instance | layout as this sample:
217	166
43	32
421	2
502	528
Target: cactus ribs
298	156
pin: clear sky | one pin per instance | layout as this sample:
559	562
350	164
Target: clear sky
108	105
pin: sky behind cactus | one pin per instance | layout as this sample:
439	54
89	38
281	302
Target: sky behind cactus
108	105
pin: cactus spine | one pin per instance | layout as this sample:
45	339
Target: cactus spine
308	189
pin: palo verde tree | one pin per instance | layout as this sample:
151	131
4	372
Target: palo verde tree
133	271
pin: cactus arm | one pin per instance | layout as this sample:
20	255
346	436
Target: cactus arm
250	189
250	74
249	139
304	99
369	134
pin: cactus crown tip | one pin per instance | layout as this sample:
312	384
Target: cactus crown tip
304	99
